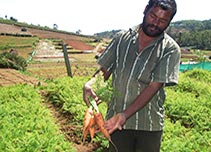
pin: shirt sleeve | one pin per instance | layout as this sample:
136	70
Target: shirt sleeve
108	58
167	69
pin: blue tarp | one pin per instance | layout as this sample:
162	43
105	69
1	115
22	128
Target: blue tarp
202	65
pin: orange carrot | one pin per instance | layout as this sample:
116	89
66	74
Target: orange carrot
92	128
87	118
100	122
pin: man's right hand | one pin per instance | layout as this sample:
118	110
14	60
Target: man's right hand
87	89
88	92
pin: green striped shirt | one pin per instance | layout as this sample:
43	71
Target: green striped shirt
132	71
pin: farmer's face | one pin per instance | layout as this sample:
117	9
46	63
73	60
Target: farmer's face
155	21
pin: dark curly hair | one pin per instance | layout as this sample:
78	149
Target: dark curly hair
164	4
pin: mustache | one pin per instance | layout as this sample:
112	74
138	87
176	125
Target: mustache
154	26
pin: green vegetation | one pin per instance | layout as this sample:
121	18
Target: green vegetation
196	39
107	34
188	112
193	25
26	125
10	60
67	93
192	33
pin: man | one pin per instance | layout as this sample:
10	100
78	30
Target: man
142	61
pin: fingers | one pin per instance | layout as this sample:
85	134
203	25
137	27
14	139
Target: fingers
88	92
115	123
112	129
86	97
97	99
111	125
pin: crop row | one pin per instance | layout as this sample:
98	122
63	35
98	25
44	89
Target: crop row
188	112
26	125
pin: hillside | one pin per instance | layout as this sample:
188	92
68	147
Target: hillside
192	25
47	45
78	42
188	33
175	27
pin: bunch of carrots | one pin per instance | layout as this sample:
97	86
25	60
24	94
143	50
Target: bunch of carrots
93	121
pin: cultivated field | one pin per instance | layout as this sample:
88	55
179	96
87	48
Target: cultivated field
30	108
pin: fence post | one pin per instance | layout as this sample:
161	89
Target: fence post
67	62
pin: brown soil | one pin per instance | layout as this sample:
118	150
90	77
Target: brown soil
10	77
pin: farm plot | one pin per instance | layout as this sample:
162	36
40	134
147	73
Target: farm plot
11	77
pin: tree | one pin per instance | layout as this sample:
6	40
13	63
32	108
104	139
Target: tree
78	31
55	26
13	19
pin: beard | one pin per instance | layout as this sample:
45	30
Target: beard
151	29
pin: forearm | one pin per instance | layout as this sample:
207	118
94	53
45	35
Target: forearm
106	74
87	89
144	97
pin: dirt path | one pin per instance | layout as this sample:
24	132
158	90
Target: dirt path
68	130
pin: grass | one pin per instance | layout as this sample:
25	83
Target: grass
55	70
206	52
82	64
194	56
84	57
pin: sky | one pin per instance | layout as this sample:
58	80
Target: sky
93	16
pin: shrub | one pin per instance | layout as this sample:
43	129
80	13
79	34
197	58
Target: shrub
9	60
